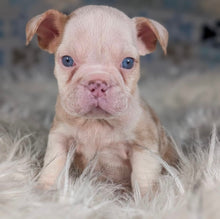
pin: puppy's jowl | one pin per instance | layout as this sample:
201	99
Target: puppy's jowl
98	107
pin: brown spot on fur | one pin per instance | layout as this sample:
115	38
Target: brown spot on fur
71	74
79	162
168	151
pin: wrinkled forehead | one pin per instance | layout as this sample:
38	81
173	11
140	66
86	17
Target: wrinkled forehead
98	29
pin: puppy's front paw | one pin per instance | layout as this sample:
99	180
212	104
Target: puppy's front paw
45	184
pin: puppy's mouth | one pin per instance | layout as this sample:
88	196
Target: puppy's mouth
98	112
98	107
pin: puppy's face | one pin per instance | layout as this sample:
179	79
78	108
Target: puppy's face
97	63
97	52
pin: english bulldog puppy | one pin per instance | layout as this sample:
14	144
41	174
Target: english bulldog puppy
98	107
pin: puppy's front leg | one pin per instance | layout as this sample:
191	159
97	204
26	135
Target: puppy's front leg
54	159
145	169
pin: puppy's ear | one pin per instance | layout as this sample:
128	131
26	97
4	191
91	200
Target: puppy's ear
49	28
148	32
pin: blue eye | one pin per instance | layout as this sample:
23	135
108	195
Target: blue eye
127	63
67	61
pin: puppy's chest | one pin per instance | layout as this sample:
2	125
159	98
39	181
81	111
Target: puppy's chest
108	148
93	138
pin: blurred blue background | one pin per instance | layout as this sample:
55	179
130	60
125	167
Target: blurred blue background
194	28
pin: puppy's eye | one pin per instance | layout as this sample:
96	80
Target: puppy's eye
67	61
127	63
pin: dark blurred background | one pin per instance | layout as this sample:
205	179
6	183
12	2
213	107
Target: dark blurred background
185	81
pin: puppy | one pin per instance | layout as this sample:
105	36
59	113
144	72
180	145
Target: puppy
98	107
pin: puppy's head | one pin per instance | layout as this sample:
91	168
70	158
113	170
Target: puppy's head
97	51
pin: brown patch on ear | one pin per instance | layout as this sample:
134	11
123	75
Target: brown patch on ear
49	28
148	32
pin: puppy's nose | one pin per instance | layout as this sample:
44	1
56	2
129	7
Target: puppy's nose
98	88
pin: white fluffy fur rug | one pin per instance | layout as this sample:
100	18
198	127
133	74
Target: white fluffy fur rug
192	191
